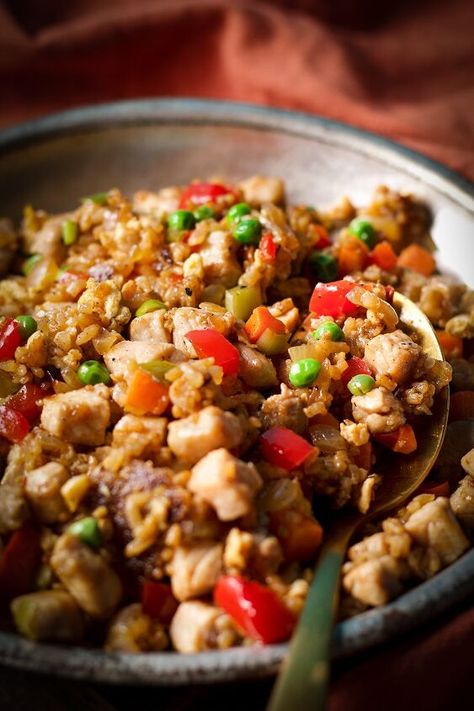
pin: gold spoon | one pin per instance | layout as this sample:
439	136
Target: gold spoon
303	682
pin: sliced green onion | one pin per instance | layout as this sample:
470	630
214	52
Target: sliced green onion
242	300
149	306
69	231
87	529
96	198
30	263
157	368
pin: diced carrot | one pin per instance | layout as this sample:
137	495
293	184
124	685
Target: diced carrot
300	535
436	489
353	256
402	440
327	419
146	395
461	406
452	346
363	458
261	320
384	256
418	259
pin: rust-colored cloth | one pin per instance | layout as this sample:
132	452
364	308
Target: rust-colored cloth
404	69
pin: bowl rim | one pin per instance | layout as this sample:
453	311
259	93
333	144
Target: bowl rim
188	110
370	628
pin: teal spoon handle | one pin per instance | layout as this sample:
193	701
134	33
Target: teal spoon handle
303	681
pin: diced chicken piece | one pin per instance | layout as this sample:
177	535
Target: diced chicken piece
285	410
144	435
467	462
192	625
43	489
258	189
211	428
226	483
157	204
127	353
286	312
379	409
87	576
196	570
150	328
188	319
376	581
255	369
435	525
14	509
48	240
48	616
246	551
462	502
358	435
218	259
133	631
80	416
393	354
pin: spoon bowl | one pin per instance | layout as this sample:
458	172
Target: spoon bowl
303	682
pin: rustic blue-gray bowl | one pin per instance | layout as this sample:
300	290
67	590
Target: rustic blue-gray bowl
152	143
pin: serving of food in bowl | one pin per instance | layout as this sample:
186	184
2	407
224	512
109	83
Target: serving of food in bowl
195	378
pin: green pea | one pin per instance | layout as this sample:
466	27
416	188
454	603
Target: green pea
361	384
96	198
27	325
204	212
329	330
30	263
247	231
364	230
91	372
304	372
87	529
149	306
181	220
236	212
69	231
324	265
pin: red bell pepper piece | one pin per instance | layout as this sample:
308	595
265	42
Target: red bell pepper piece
268	248
300	535
26	401
13	425
330	299
435	489
19	562
355	366
202	193
255	608
261	320
10	338
401	440
321	236
209	343
158	601
284	448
